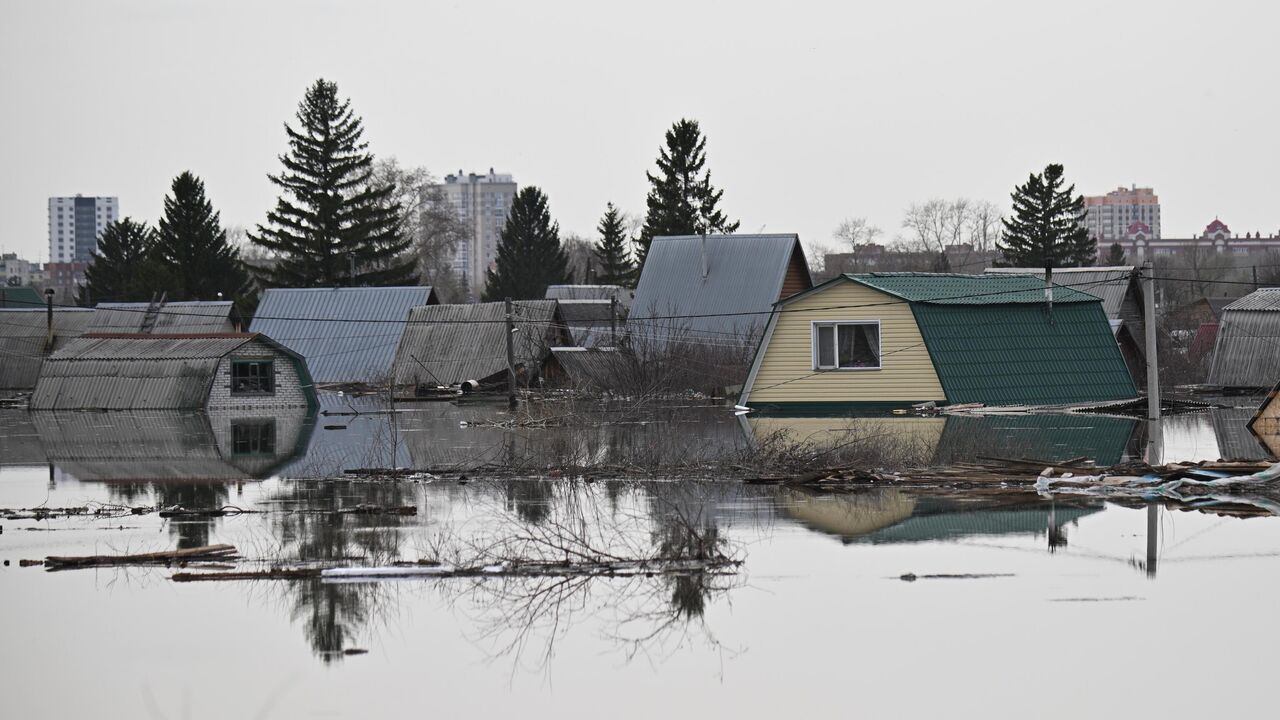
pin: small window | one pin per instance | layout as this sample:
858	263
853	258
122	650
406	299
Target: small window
253	437
253	377
846	346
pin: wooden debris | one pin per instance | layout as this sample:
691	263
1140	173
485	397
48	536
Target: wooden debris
272	574
206	552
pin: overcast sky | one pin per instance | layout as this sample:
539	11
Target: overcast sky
814	111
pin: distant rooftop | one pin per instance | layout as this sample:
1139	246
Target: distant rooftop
492	177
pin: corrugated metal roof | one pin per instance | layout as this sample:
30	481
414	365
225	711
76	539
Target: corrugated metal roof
744	276
954	289
591	292
589	322
345	334
22	341
165	318
450	344
20	297
1266	299
1013	354
1247	350
1111	284
593	369
136	372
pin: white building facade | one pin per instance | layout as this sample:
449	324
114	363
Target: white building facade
482	202
76	223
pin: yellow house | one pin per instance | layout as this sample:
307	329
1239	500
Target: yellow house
888	340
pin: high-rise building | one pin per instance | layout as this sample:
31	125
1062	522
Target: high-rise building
76	223
1118	214
482	202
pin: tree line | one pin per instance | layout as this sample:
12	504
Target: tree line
344	218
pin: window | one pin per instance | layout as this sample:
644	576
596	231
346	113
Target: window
253	437
846	345
253	377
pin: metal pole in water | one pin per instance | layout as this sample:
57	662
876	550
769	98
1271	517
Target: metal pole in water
511	358
1153	528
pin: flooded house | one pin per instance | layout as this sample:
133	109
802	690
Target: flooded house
879	341
167	318
189	371
714	289
453	345
28	336
347	335
1120	290
1246	354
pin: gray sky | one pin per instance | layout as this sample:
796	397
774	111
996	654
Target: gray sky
814	111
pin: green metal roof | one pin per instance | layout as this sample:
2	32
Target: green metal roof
1020	354
953	289
20	297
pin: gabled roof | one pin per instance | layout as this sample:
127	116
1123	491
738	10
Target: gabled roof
450	344
136	371
1247	351
590	322
743	278
1111	283
195	316
955	289
345	334
1266	299
590	292
23	340
19	297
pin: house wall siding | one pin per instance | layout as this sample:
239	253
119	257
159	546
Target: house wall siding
288	387
786	373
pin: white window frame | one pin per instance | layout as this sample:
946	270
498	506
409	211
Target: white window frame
813	344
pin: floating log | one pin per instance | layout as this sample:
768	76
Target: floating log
206	552
272	574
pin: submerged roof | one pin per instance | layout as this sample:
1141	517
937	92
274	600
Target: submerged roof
135	371
23	339
345	334
591	322
955	289
743	278
1247	350
450	344
195	316
1111	284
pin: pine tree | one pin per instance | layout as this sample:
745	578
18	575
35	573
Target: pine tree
681	198
332	214
191	247
529	254
1047	227
611	252
117	271
1115	255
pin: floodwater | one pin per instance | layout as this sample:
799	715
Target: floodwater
1073	607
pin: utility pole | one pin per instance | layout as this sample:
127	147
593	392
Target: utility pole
511	358
1255	278
48	297
1154	441
613	321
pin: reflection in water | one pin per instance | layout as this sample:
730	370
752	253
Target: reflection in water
889	516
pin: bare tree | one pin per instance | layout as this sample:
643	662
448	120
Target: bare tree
427	217
855	232
984	225
582	258
936	225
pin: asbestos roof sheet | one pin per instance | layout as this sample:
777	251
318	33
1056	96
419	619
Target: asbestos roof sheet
345	334
133	372
1247	350
164	318
1110	284
596	369
954	289
1266	299
450	344
23	335
743	278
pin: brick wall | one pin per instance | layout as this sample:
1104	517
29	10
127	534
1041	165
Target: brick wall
288	388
